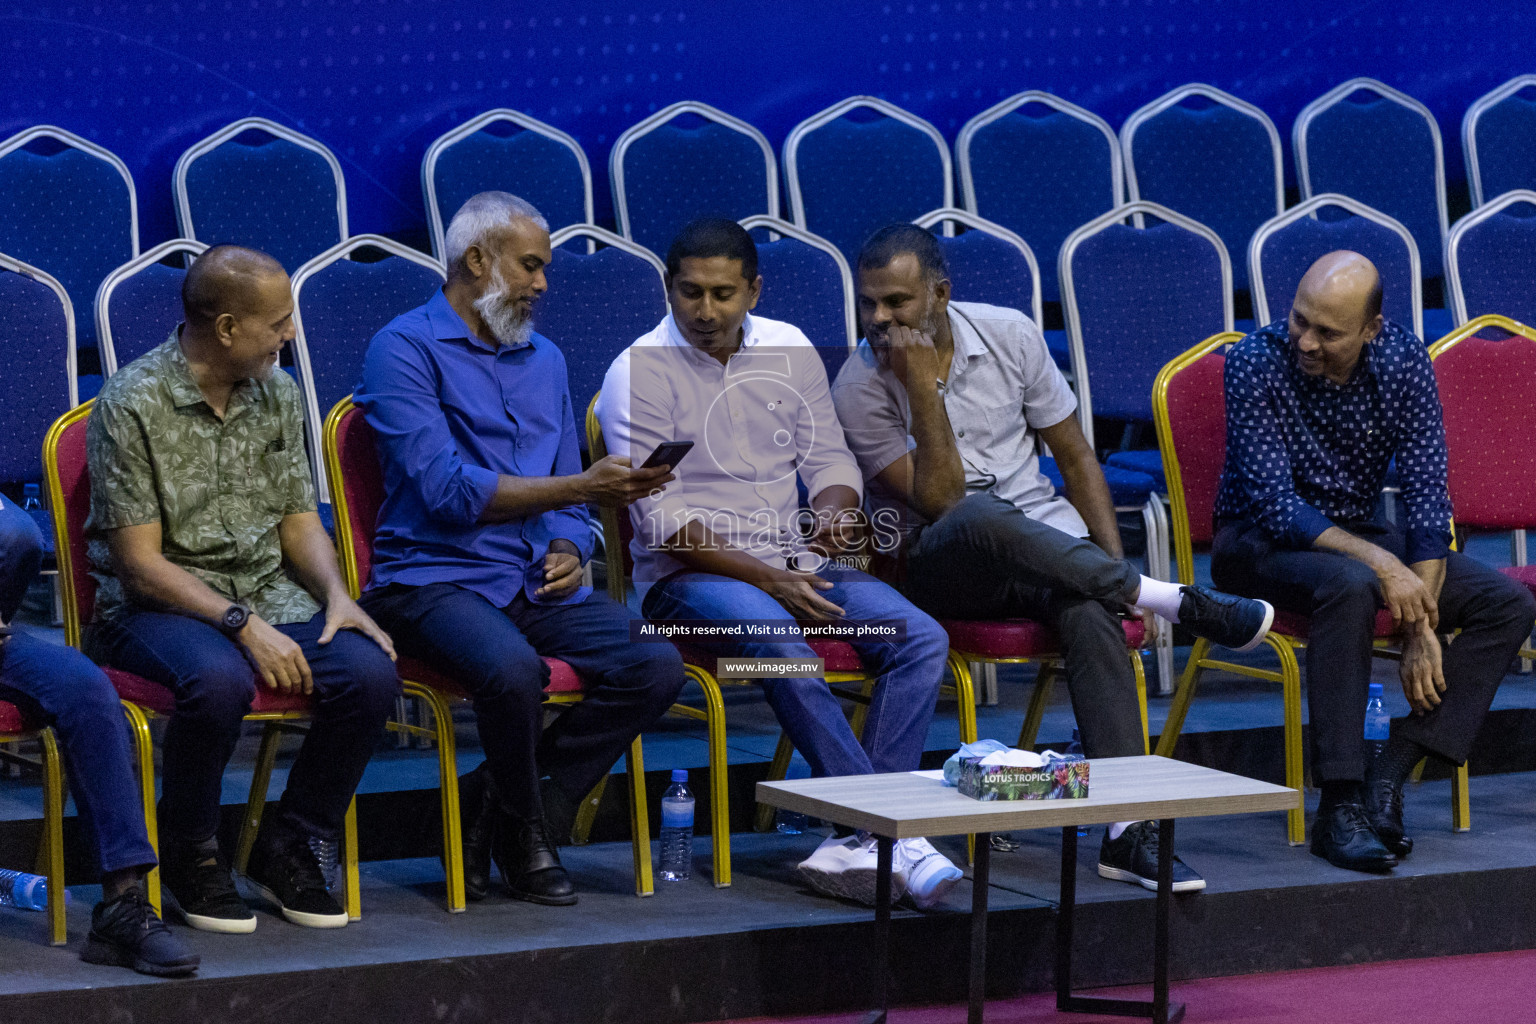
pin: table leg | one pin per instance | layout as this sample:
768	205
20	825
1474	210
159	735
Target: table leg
1159	1009
882	944
980	872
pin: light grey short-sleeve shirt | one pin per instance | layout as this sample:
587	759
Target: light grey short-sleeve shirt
1002	388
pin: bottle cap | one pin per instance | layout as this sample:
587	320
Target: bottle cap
681	774
1375	690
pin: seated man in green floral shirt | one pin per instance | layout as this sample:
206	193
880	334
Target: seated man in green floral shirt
216	577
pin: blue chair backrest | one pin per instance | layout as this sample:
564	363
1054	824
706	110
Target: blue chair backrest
143	310
1042	173
267	193
1142	297
1496	264
688	168
986	268
68	213
1506	144
34	337
1385	155
1285	255
343	305
1209	161
527	163
596	306
856	177
803	285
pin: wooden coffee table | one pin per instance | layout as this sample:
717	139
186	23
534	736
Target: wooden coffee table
904	805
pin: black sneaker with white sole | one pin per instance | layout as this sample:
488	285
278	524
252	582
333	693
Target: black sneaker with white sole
1133	858
1226	619
198	888
287	872
126	932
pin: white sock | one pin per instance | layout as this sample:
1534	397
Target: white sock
1162	598
1117	828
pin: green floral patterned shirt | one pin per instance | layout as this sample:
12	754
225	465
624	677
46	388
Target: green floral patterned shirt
218	488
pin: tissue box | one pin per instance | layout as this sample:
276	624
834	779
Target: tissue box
1060	778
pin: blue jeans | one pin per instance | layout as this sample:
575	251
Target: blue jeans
59	686
908	672
21	556
214	684
497	655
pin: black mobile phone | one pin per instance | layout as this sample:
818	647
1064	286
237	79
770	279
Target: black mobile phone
668	453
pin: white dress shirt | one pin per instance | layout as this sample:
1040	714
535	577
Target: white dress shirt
756	423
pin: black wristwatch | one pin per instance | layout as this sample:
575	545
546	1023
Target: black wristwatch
234	618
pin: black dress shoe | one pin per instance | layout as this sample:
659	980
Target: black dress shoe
1342	835
478	832
1383	801
529	862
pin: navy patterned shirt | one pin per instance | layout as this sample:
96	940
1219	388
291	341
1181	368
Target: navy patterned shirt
1304	453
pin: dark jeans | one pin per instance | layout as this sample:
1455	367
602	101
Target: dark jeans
214	684
985	559
497	655
1342	595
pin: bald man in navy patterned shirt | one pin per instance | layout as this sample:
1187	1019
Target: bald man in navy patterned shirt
1317	406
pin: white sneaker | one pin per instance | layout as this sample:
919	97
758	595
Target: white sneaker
846	867
924	873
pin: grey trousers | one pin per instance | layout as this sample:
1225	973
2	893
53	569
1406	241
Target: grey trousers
985	559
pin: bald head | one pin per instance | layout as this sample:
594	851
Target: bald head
239	310
224	280
1336	313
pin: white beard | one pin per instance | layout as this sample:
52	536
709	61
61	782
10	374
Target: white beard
503	319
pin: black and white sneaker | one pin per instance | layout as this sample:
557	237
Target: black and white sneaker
287	872
198	888
1133	858
126	932
1236	622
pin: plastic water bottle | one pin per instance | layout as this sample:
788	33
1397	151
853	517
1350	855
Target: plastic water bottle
677	829
19	889
32	498
1378	724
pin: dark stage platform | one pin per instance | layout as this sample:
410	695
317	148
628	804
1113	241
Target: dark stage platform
768	946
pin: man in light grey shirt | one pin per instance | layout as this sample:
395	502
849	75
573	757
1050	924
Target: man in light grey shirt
946	406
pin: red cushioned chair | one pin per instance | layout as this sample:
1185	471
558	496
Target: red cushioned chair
845	673
357	492
1485	388
69	488
50	852
1189	405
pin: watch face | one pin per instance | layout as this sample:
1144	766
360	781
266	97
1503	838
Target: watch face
235	617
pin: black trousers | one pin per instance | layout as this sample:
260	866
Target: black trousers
497	655
1342	595
985	559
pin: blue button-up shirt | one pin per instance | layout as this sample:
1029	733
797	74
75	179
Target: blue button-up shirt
1304	453
452	413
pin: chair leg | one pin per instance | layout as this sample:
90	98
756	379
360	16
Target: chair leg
261	778
1030	730
776	772
350	883
53	836
1290	684
448	789
586	813
1182	696
719	777
639	820
144	753
965	697
1461	806
1141	698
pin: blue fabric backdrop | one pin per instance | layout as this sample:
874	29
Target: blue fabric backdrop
377	80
